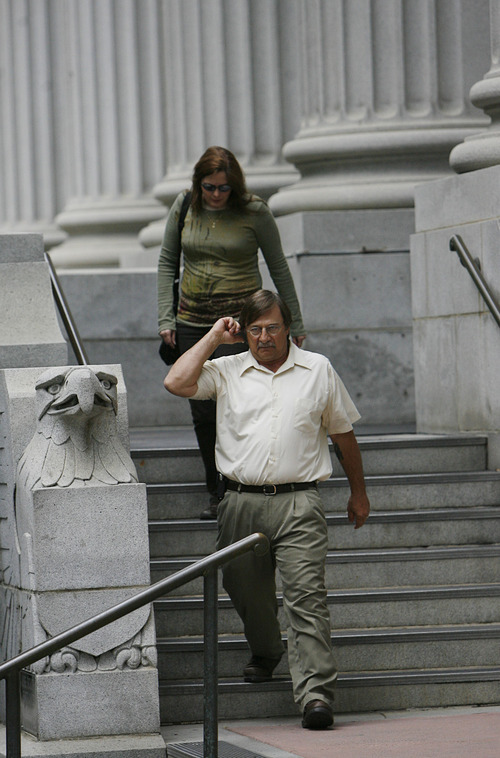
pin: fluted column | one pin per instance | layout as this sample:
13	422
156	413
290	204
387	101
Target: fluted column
114	116
386	87
483	149
31	139
233	80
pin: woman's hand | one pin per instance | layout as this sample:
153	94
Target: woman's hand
299	340
169	337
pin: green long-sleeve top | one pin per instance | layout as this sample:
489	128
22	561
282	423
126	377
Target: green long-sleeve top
220	257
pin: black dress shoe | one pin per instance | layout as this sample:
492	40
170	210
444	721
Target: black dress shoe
260	669
317	715
210	511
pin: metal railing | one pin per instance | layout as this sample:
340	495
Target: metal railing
66	316
206	567
473	266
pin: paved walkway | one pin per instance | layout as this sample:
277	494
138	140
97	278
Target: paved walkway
427	733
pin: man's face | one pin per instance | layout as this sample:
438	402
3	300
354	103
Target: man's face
268	348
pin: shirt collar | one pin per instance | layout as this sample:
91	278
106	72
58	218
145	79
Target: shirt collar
296	356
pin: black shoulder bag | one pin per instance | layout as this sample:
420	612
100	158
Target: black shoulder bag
170	354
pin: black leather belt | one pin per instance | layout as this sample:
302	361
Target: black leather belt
269	489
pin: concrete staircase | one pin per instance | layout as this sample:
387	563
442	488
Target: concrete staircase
414	596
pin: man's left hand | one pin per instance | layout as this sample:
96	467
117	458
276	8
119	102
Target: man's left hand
358	509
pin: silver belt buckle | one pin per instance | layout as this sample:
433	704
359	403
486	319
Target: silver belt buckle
270	491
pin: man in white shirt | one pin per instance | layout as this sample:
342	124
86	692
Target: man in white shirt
276	406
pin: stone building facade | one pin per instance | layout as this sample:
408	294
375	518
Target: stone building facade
338	111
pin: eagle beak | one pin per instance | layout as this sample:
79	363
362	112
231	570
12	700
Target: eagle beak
89	397
84	393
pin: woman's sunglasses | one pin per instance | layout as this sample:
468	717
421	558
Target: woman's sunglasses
213	187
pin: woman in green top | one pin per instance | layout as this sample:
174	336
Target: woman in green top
223	231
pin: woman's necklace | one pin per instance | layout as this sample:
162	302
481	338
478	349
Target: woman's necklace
215	216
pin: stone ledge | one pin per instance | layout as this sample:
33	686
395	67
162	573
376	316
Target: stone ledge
122	746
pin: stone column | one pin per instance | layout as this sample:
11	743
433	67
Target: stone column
113	112
483	149
385	98
232	80
32	139
456	339
386	87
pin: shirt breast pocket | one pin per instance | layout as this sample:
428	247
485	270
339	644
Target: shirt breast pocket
307	415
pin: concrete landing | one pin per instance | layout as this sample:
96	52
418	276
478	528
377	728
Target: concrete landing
427	733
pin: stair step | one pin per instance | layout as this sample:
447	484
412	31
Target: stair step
479	525
394	606
356	650
434	532
349	568
357	692
387	493
394	453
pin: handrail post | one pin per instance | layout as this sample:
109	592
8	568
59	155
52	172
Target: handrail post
210	668
13	714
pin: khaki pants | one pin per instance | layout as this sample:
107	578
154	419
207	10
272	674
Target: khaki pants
295	525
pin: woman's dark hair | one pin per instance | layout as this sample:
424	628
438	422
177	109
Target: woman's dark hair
259	303
216	159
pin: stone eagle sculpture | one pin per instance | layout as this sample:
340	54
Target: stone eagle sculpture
76	442
76	446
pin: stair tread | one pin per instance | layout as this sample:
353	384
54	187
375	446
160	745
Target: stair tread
379	634
389	553
491	589
467	512
371	480
175	440
471	673
458	621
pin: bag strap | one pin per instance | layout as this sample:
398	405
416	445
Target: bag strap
182	215
180	226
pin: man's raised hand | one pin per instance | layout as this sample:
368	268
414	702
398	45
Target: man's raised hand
228	330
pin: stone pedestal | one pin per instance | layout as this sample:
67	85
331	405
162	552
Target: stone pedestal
70	551
29	329
353	274
457	341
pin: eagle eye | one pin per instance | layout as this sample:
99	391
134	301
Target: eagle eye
53	389
106	384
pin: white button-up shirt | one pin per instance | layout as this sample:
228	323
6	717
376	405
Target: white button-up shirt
272	427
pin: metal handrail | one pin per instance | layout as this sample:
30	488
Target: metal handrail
206	567
473	265
66	316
